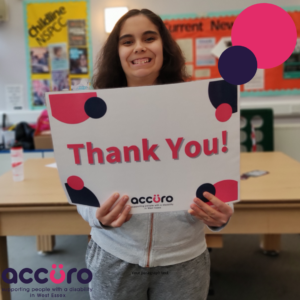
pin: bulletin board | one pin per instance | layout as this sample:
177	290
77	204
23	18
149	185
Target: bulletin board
197	36
58	46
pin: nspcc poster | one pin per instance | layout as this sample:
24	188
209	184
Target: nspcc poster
58	46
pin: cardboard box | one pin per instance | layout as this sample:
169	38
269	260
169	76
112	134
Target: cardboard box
43	140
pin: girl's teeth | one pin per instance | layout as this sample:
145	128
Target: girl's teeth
141	61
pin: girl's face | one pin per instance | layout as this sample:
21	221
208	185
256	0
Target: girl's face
140	51
82	60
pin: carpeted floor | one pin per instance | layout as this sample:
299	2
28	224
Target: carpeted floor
69	251
239	270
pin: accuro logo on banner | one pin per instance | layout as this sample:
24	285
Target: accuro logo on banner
155	199
38	274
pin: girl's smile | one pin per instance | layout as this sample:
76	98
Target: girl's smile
139	61
140	51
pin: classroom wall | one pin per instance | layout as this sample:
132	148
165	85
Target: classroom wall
12	41
287	139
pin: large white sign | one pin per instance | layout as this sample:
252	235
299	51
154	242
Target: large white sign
161	145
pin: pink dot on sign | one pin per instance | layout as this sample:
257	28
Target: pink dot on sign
76	183
223	112
54	266
224	149
61	266
268	31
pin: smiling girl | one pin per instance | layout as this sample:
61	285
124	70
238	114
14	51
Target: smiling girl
157	256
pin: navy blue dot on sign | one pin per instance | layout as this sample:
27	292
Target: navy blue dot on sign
237	65
220	92
83	196
206	187
95	107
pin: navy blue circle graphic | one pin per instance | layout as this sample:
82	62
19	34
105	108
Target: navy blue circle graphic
95	107
237	65
206	187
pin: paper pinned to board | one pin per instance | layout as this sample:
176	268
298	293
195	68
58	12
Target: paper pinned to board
257	82
14	96
204	47
221	46
54	166
186	46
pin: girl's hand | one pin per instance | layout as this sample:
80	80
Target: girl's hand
116	216
212	216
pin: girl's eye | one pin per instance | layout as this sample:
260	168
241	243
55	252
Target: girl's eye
150	39
127	43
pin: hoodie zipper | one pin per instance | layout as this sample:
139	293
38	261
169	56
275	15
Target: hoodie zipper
150	242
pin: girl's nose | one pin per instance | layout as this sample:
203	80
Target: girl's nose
139	48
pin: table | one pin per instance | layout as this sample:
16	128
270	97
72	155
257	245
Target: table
42	151
269	204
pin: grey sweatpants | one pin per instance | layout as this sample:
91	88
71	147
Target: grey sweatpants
115	279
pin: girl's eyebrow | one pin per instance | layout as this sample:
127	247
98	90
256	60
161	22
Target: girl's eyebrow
144	33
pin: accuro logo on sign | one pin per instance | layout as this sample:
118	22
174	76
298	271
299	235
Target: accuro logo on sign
156	199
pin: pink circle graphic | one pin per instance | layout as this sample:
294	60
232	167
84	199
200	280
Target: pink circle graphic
61	266
223	112
268	31
75	182
54	266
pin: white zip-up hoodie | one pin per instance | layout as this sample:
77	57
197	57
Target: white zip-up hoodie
152	239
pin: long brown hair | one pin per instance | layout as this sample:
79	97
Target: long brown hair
109	72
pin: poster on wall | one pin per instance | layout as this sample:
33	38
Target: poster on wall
203	39
169	152
78	60
292	65
39	59
58	46
77	32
